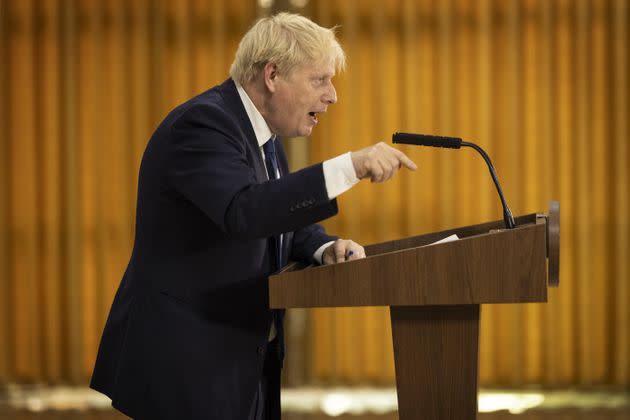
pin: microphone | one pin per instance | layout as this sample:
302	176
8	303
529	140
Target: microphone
456	143
427	140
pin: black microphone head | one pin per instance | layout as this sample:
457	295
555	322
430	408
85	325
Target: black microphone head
427	140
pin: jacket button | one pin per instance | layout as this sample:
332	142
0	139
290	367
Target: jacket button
261	350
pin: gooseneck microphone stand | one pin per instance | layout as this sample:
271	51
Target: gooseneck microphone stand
456	143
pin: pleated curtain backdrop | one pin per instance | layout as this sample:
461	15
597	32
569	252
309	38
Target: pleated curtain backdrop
541	85
83	86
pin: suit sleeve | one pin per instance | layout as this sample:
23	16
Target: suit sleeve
307	240
210	168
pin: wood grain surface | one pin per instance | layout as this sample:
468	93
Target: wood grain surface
504	266
436	353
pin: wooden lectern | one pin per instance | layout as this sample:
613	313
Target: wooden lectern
434	293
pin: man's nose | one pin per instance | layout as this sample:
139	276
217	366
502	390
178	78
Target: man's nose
331	95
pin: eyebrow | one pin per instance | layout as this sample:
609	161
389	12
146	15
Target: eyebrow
323	75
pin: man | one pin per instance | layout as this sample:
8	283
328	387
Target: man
190	334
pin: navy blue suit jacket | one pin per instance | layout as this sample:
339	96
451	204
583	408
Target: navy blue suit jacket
186	334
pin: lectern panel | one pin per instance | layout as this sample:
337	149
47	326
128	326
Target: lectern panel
507	266
435	351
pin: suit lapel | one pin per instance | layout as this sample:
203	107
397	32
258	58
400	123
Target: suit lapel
233	100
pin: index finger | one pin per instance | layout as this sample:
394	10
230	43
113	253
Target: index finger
405	160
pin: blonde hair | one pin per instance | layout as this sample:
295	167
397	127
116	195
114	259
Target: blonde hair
287	40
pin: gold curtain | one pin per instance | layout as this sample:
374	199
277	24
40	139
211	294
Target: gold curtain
542	86
83	85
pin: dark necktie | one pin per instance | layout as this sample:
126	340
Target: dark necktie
273	171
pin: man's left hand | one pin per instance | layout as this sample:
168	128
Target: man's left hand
342	250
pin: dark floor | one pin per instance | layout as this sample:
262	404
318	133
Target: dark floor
563	414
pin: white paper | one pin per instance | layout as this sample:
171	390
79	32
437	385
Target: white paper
451	238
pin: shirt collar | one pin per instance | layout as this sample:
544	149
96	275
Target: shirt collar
261	129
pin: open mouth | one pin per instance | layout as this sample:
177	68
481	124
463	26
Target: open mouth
313	116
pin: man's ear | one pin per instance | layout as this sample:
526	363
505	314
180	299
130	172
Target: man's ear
270	75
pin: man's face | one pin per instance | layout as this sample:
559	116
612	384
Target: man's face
296	99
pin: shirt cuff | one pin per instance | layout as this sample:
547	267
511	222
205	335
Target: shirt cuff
339	175
318	254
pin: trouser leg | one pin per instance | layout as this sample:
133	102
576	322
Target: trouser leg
271	383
